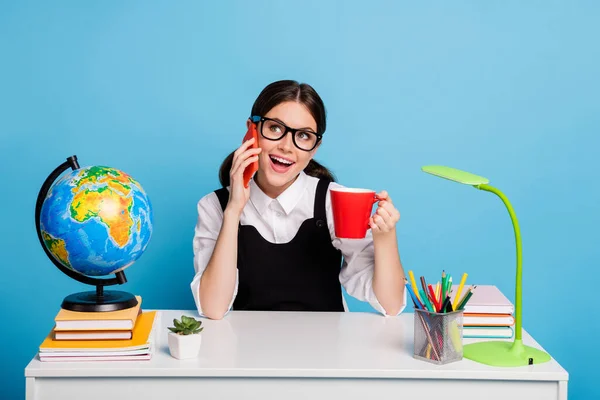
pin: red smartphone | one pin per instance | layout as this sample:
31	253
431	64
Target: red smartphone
252	168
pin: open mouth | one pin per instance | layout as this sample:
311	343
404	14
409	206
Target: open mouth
280	164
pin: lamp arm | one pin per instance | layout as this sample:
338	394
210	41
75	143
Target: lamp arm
518	288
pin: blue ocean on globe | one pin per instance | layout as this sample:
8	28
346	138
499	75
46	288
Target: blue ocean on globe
96	220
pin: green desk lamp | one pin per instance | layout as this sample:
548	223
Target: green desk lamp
496	353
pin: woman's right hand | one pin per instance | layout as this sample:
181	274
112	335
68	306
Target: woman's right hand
238	194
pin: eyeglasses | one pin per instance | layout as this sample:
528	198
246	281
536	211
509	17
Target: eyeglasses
275	130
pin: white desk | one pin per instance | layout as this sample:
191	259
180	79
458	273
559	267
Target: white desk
291	355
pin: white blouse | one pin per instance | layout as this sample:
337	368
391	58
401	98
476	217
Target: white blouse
278	220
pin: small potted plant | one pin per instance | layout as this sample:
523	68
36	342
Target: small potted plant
185	338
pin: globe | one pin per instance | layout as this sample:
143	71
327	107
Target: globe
94	221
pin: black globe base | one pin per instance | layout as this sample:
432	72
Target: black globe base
110	300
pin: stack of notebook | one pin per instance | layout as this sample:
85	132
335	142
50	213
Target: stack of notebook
488	314
100	336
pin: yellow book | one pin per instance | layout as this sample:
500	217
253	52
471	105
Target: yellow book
92	335
140	339
67	320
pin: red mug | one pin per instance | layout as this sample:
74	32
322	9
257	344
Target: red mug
351	211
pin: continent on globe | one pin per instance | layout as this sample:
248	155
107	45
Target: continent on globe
110	201
57	248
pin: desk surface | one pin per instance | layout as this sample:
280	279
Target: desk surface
299	344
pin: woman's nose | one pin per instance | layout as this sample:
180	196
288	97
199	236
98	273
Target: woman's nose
286	142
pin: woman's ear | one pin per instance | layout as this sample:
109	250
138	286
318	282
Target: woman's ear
248	122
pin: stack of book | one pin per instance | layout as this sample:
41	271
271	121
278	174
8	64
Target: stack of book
100	336
488	314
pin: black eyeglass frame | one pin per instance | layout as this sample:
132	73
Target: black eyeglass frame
257	118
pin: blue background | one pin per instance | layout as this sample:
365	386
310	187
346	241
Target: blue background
162	91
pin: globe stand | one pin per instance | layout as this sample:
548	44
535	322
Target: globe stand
99	300
91	301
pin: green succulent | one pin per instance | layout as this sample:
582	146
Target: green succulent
187	326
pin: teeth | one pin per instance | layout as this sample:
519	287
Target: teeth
281	160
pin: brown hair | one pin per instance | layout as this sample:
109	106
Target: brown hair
277	93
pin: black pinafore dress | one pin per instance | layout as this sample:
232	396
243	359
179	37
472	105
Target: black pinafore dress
301	275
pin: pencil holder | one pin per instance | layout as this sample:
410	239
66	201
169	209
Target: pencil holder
438	336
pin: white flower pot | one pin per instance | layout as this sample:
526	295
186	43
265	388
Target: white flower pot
184	346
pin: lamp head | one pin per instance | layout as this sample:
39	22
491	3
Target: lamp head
455	175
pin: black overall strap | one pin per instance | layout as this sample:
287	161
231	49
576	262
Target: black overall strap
320	214
223	196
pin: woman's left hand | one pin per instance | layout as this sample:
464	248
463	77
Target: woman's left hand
386	216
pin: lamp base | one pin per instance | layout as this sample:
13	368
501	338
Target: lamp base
110	300
504	354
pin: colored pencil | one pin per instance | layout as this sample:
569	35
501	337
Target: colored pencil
414	284
428	304
464	301
413	295
459	291
444	284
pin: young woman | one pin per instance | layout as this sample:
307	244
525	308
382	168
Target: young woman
272	246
